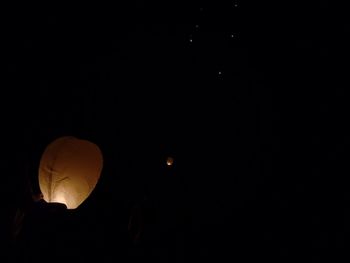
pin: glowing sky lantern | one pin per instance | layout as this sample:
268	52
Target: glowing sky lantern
69	170
169	161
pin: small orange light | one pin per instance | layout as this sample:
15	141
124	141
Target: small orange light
170	161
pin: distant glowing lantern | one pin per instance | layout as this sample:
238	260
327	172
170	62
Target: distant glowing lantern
69	170
170	161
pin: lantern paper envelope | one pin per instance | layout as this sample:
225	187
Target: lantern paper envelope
69	170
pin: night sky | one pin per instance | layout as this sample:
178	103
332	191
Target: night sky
248	98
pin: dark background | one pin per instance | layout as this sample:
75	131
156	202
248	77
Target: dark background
256	123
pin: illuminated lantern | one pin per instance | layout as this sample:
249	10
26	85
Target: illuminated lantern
170	161
69	170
